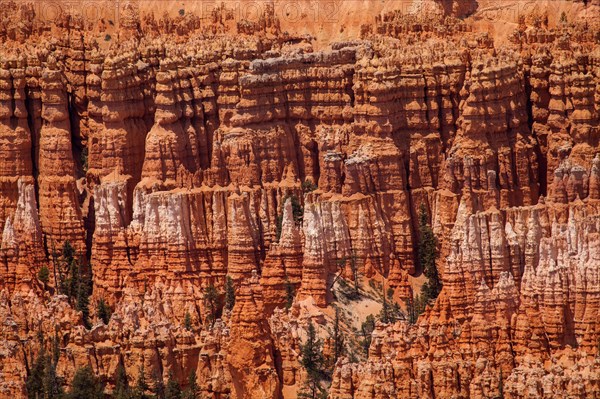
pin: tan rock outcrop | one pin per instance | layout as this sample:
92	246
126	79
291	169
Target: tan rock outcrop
60	213
250	346
220	147
282	269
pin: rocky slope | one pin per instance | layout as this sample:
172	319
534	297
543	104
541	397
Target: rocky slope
173	152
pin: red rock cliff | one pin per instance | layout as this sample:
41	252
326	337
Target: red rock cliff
173	153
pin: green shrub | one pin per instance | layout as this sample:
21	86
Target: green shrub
308	186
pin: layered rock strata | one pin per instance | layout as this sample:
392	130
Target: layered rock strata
172	155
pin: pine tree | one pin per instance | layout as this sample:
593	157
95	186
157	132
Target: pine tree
414	307
289	293
355	274
44	276
187	322
35	379
367	328
86	385
121	390
103	311
65	269
55	346
192	390
352	263
312	389
390	310
40	335
384	314
83	302
86	286
337	338
312	353
211	302
229	293
56	268
159	387
68	252
313	362
75	281
172	390
427	251
141	386
52	386
308	186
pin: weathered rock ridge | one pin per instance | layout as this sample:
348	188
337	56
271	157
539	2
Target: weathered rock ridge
175	154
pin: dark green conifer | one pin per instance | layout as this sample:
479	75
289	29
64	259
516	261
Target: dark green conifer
172	390
229	293
103	311
427	251
86	385
192	391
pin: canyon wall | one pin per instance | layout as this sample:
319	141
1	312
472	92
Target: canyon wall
179	153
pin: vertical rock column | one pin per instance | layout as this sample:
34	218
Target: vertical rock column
15	137
60	214
283	264
111	255
119	146
171	154
242	238
251	347
21	251
93	82
314	265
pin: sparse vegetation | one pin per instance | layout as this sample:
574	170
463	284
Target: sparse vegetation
192	391
229	293
372	284
211	302
367	328
86	385
337	338
390	310
563	18
427	250
103	311
414	307
84	155
355	271
297	212
187	322
308	186
74	280
313	362
289	294
173	389
44	276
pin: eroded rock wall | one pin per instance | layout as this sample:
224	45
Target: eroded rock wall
171	162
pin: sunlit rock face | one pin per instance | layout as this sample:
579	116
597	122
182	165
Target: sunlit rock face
174	153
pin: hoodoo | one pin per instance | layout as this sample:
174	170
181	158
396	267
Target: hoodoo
363	200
